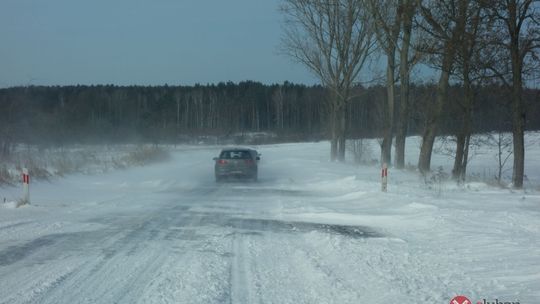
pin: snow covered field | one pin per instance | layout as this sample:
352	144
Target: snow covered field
310	231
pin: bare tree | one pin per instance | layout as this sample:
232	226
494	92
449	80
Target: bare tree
405	65
333	39
394	31
443	22
515	52
387	17
469	66
503	142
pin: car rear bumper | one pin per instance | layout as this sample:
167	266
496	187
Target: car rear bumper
236	173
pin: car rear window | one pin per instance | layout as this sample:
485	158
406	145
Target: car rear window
235	155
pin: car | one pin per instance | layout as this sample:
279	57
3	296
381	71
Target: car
237	163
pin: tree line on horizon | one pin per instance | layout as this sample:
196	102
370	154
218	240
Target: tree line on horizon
59	115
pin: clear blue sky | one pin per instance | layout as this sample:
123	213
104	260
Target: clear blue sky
144	42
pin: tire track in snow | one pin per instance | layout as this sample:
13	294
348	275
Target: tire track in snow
317	275
115	274
241	277
126	260
197	267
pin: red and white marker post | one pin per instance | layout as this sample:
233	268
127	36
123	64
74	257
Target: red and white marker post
26	186
384	177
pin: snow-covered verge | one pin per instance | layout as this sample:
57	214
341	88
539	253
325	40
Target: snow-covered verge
483	161
310	231
483	157
44	163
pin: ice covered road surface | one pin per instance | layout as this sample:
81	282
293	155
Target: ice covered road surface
309	232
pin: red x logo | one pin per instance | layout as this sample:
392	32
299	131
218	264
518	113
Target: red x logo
460	300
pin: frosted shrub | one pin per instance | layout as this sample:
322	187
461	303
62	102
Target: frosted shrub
361	151
435	179
44	163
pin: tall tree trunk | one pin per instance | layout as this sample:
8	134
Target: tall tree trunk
404	69
518	113
342	130
334	134
432	124
466	156
460	161
403	123
518	130
386	148
518	15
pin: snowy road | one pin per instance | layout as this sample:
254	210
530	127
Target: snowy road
309	232
210	244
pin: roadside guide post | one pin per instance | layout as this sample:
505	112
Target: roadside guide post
26	186
384	177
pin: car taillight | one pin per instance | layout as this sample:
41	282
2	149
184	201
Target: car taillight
222	162
249	161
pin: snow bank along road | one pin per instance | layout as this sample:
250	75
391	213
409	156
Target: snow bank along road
309	232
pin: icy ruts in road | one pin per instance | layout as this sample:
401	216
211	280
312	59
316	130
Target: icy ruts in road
202	247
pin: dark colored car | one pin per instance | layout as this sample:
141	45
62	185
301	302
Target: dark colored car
237	163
